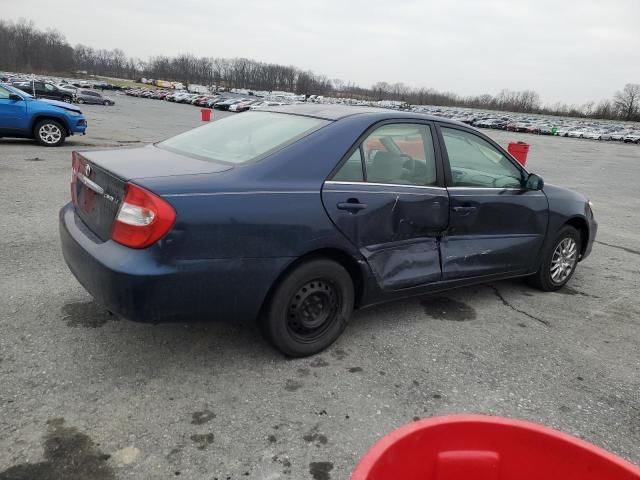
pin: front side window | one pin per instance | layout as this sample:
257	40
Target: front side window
4	94
49	88
475	162
242	138
399	154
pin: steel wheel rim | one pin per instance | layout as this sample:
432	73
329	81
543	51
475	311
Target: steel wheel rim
563	260
313	309
50	133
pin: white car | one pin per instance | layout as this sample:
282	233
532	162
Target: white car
633	137
67	87
619	135
578	132
597	135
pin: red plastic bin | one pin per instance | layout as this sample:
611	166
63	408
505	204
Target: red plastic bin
519	151
206	114
474	447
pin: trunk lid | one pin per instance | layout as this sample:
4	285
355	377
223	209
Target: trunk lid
99	179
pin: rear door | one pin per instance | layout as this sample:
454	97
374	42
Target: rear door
387	197
496	225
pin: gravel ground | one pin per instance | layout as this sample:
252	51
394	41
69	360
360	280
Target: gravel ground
85	395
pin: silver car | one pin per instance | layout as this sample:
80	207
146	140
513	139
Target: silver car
90	96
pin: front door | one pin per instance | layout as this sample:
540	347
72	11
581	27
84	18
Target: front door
387	197
496	225
13	113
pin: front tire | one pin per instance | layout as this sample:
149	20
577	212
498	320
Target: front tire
66	99
559	261
80	101
309	308
49	133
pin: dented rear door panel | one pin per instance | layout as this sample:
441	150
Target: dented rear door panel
396	228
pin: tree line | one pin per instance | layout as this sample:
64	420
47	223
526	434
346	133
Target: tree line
24	48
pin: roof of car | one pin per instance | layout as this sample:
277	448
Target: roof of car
336	112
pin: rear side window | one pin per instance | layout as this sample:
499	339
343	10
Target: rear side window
351	171
398	154
243	138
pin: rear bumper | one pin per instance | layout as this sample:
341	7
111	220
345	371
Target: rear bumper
140	285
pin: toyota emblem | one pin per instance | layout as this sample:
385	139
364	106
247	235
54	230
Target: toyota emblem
87	170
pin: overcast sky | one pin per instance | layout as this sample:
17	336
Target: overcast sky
567	50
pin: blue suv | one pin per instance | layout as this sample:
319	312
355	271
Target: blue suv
49	122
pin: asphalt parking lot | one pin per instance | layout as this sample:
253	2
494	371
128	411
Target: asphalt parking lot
84	395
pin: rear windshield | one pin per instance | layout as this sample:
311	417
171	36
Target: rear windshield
242	137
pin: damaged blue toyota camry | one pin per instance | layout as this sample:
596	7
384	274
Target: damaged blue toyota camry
297	215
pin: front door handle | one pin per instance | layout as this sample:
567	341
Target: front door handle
352	205
464	211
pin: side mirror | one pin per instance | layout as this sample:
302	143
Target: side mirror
534	182
15	97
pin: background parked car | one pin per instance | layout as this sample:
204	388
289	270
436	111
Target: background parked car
45	90
48	121
92	97
633	137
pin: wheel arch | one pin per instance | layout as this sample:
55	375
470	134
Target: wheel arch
582	226
343	258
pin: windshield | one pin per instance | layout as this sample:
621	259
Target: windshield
242	138
16	91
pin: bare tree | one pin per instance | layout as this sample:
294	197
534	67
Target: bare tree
628	101
24	48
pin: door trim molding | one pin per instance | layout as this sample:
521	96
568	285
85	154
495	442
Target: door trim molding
336	182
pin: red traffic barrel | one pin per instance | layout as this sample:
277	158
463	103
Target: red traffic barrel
476	447
206	114
519	151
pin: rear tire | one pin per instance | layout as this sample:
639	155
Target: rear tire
49	133
309	308
80	101
66	99
559	261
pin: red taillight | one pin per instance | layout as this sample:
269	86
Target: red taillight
75	166
143	218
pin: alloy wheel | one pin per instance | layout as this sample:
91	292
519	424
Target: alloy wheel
563	260
50	133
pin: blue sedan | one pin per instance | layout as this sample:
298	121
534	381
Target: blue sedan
297	215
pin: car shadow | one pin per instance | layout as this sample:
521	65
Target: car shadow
455	305
132	348
141	348
18	141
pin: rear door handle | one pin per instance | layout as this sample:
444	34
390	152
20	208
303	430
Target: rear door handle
352	205
464	211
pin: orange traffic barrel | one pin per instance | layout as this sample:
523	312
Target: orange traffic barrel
519	151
